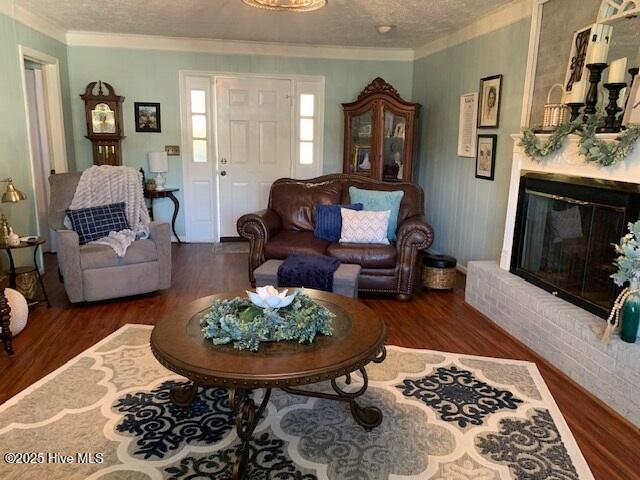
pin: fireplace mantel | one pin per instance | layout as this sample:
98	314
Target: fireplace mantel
565	161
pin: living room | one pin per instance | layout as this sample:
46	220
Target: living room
320	239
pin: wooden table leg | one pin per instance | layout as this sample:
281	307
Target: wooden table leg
248	415
12	270
151	208
5	324
35	264
176	209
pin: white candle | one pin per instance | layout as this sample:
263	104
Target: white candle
617	71
598	52
578	90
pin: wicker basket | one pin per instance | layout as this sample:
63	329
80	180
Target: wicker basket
555	114
439	272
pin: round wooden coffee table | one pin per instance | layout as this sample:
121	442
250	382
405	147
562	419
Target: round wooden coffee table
358	339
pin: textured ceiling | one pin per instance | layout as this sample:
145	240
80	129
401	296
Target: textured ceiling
342	22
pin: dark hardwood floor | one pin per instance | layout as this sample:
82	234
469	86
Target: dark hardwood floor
438	321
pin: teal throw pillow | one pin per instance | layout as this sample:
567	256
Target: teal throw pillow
379	201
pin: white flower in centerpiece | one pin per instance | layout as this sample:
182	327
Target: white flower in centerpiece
269	297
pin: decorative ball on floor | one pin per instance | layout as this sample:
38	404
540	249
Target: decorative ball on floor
19	310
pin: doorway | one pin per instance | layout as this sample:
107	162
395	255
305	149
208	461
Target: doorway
39	140
253	129
240	133
45	127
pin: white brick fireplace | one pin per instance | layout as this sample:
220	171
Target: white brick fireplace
564	334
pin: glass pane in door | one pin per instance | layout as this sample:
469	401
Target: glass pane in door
393	146
360	143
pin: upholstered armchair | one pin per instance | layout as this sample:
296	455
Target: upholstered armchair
93	272
286	227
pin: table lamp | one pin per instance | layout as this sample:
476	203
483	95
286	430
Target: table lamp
158	164
11	195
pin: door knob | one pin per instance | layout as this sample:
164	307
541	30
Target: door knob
223	161
223	173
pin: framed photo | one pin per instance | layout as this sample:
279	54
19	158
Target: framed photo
399	130
486	156
362	159
489	102
632	109
147	117
365	129
467	122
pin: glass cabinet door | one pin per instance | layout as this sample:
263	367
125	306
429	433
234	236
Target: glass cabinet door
360	142
393	145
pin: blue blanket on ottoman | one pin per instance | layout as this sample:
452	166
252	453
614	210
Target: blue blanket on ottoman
309	271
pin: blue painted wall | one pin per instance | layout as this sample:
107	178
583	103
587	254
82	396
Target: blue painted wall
14	153
467	213
152	76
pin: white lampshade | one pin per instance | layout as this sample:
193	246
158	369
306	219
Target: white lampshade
158	162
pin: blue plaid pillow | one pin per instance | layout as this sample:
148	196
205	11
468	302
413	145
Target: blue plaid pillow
96	222
329	221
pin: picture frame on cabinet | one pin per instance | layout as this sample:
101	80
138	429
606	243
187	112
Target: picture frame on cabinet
490	95
486	157
362	159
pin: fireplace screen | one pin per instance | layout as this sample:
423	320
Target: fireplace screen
564	241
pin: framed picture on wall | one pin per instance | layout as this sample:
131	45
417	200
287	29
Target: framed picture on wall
147	117
490	96
486	157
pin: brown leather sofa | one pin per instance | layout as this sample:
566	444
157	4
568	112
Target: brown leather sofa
286	227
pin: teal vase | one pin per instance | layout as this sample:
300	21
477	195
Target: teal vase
630	316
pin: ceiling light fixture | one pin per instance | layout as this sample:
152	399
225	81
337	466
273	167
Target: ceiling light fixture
382	29
287	5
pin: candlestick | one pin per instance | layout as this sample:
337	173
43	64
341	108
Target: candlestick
575	109
611	124
617	71
595	75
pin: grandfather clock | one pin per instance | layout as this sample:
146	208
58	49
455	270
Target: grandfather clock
103	113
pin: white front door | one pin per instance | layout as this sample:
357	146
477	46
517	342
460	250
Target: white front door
254	142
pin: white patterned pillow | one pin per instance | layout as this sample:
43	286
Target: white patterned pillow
364	226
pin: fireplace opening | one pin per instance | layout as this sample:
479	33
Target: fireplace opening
565	228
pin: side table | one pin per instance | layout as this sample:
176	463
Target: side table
166	193
13	271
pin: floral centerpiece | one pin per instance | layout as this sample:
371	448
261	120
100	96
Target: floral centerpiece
626	309
266	315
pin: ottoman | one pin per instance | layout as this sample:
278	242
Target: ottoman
345	278
439	271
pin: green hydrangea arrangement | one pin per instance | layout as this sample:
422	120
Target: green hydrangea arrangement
606	153
244	324
628	260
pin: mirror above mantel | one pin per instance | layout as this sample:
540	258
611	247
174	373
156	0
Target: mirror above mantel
617	22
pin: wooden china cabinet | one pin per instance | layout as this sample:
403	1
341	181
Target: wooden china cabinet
379	134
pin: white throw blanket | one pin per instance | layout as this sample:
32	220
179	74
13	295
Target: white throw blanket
106	184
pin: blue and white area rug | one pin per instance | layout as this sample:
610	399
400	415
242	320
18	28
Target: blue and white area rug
107	415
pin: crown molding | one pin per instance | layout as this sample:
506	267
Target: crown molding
33	20
503	17
234	47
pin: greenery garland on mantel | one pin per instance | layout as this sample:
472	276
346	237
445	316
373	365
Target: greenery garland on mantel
595	150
